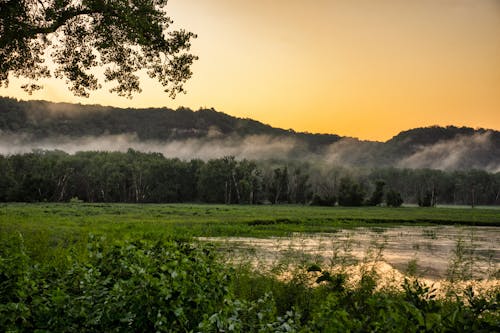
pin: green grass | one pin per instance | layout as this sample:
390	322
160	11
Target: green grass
193	220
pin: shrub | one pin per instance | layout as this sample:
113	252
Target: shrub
351	193
133	286
318	200
378	194
393	199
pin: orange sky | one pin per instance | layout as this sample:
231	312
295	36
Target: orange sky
360	68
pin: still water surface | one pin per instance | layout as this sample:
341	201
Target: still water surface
431	251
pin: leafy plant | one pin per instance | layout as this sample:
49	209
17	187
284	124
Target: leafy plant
120	286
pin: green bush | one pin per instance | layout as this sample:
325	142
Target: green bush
318	200
162	286
393	199
351	193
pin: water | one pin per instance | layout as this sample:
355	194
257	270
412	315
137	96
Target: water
436	252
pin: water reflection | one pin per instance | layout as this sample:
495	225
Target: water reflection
435	252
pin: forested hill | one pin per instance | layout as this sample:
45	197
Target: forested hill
41	119
208	134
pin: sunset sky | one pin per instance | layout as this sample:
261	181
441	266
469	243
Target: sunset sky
362	68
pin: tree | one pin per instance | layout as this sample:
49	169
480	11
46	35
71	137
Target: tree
123	37
325	185
7	182
378	194
393	199
248	181
299	187
427	200
216	181
278	186
318	200
350	193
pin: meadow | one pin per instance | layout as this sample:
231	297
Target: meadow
197	268
201	220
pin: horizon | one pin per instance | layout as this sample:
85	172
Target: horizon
349	68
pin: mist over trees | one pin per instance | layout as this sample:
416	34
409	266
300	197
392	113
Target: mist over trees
151	178
209	134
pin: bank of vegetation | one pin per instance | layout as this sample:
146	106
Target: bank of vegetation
144	283
121	267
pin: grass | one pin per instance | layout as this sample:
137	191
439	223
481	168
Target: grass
193	220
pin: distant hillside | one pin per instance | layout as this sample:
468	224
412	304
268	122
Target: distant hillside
41	119
446	148
426	136
207	133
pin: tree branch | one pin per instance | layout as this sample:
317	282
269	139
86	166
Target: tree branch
61	20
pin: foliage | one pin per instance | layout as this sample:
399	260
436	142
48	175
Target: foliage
278	188
122	37
428	199
172	286
378	194
217	180
46	120
318	200
393	199
351	192
162	286
145	177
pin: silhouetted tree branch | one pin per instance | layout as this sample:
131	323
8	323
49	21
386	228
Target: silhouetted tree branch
122	37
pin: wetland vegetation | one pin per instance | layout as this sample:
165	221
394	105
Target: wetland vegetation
133	267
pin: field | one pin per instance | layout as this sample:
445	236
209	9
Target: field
97	267
193	220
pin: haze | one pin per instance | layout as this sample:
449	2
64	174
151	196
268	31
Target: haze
359	68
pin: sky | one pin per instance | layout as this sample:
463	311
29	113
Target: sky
361	68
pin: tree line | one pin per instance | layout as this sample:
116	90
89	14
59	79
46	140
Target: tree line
152	178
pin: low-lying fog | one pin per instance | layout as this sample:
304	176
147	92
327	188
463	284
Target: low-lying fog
460	153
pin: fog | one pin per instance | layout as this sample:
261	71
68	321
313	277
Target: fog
250	147
464	152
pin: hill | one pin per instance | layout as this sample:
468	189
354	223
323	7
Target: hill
446	148
41	120
206	133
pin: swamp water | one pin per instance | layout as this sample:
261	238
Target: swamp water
432	253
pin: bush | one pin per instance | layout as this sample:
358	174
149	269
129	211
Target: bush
393	199
134	286
318	200
350	193
378	194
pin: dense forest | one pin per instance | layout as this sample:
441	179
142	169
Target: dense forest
207	134
150	177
